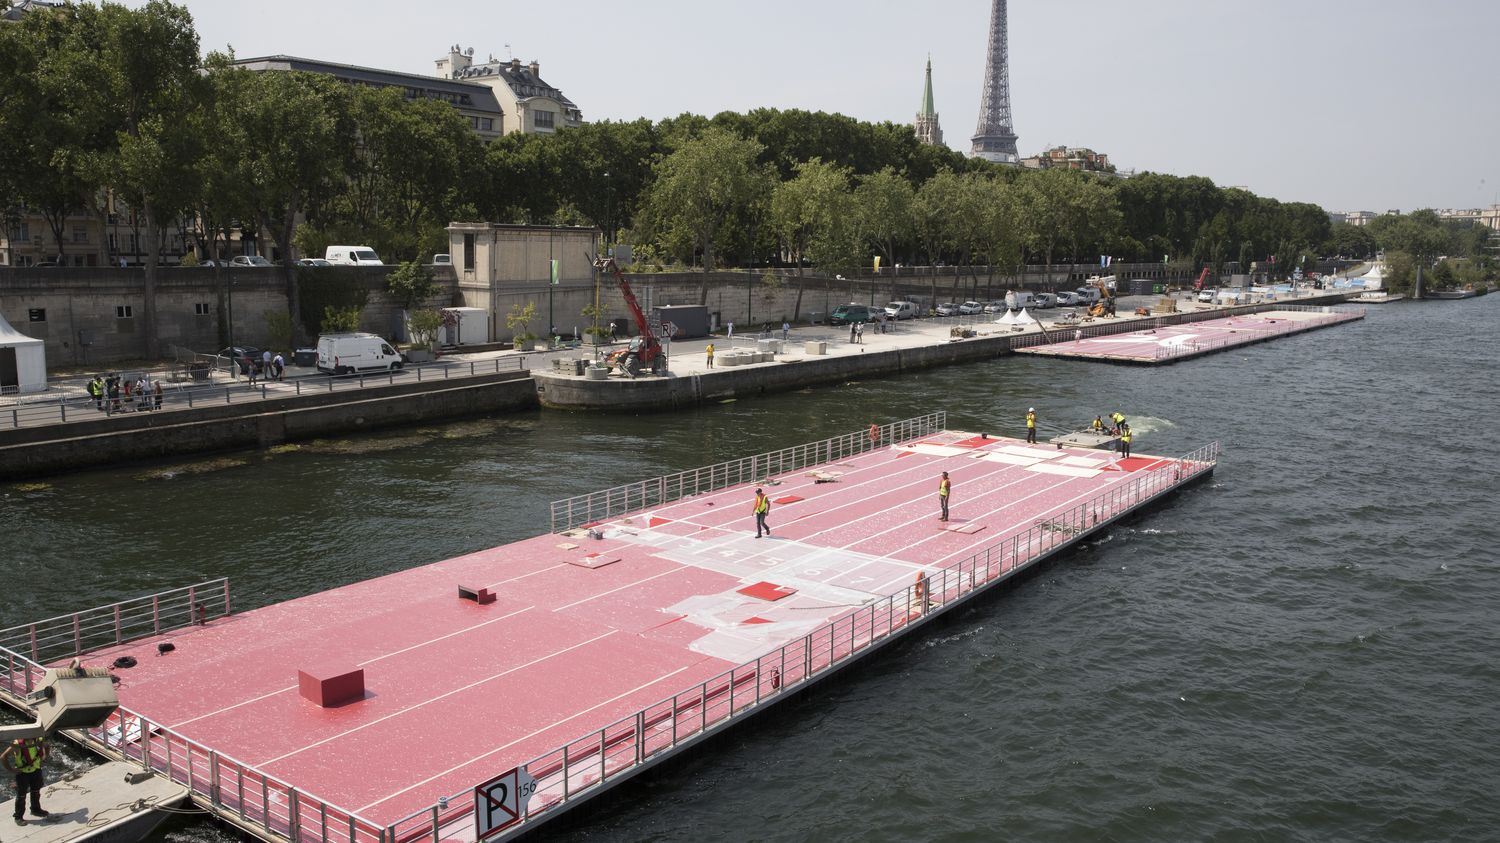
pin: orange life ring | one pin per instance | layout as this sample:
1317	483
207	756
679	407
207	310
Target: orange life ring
921	585
874	433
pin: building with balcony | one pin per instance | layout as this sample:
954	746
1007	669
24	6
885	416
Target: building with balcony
530	105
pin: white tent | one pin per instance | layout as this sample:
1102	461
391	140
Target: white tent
23	361
1025	318
1008	319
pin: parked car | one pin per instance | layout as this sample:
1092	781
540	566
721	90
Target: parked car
846	314
1207	294
947	308
1068	299
1044	301
901	310
442	260
314	262
995	306
970	308
250	260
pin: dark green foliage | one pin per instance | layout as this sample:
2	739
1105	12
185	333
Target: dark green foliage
324	288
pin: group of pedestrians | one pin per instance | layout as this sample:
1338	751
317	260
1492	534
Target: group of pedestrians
114	394
269	367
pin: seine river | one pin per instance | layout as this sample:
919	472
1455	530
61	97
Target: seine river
1300	649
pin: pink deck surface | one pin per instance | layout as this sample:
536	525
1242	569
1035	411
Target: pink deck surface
1170	342
458	692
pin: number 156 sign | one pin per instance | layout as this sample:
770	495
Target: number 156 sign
501	801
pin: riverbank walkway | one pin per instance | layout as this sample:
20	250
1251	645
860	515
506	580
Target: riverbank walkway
648	617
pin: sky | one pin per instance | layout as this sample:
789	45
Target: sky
1368	105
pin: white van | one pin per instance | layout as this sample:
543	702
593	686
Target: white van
342	354
1088	295
1016	300
352	256
901	310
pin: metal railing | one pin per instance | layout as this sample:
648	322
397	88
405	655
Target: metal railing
106	626
237	792
75	407
585	510
575	769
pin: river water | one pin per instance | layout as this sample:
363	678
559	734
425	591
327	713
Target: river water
1299	649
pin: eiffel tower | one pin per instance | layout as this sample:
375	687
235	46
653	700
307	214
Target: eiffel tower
995	139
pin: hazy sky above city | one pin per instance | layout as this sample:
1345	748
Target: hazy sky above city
1368	105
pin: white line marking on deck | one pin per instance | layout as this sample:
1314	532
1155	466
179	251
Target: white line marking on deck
359	664
621	588
458	767
445	695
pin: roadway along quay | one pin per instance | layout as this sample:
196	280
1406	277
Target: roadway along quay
518	682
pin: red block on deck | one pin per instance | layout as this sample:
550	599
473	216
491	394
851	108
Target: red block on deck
331	685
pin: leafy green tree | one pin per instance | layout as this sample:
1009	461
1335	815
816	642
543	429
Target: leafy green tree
813	215
340	320
297	136
409	283
703	187
1348	239
884	203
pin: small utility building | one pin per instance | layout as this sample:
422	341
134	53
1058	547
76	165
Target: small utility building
23	361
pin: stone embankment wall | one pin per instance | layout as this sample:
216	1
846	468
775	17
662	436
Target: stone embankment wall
31	452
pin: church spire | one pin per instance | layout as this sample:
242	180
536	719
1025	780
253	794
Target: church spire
927	128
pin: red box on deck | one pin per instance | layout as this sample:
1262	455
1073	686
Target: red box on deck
331	685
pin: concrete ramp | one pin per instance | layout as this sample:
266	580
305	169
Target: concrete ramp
111	803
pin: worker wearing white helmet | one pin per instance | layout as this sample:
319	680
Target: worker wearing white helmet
1031	425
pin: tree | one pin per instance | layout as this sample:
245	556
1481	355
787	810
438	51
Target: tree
147	63
703	187
297	137
813	214
884	202
409	283
1348	239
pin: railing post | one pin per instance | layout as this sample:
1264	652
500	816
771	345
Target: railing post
435	837
567	783
640	736
291	814
77	636
213	776
156	613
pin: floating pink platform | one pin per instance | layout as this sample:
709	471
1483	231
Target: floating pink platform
1171	343
369	712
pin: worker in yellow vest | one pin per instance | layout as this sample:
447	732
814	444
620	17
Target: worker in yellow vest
1031	425
1119	419
762	509
945	488
1099	424
1125	441
24	758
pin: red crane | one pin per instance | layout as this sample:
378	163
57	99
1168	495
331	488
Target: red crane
644	350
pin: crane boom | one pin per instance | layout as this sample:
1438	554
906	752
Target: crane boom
645	350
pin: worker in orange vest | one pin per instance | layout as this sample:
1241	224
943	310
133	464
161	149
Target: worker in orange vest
24	758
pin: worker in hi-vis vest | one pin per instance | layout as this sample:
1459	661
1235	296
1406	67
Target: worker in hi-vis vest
1031	425
1098	424
762	509
24	758
1125	441
710	352
945	488
1118	418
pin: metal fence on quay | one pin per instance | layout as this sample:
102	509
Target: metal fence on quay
582	510
577	769
75	407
